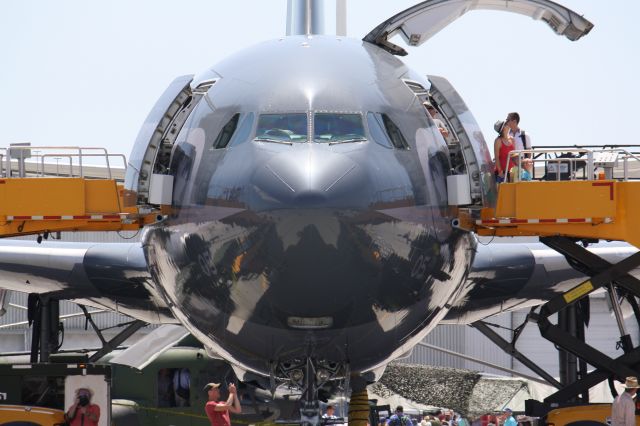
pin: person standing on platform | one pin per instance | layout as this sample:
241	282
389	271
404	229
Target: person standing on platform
502	146
623	409
520	138
442	128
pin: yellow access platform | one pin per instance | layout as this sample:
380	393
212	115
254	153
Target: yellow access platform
590	204
47	197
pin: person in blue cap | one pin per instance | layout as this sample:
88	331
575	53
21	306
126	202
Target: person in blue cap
509	420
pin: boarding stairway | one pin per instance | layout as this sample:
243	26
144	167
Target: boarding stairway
577	196
46	190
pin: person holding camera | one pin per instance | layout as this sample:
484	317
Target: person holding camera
218	412
83	412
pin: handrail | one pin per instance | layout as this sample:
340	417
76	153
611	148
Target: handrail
80	154
59	156
519	155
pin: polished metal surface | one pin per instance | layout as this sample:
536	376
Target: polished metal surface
305	17
277	250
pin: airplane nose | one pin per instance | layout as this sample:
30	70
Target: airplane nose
310	176
311	198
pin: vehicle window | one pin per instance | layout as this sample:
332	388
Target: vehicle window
174	387
244	130
227	131
337	128
282	128
397	139
377	132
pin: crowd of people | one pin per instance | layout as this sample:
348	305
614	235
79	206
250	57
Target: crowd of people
511	138
442	417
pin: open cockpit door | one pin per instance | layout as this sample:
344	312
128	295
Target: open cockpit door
150	157
420	22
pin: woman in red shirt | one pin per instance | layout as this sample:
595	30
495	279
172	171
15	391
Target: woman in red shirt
218	412
502	146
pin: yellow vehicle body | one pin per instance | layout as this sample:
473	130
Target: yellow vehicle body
22	414
598	413
567	415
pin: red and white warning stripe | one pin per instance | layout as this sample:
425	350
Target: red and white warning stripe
538	221
80	217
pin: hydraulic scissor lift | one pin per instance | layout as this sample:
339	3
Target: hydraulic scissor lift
568	215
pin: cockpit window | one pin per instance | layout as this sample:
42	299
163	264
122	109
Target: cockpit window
378	134
227	131
338	128
243	132
282	128
397	139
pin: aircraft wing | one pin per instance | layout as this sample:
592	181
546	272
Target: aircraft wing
419	23
111	276
508	277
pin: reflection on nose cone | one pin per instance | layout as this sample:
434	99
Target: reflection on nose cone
309	177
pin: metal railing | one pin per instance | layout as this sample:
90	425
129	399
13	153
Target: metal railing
74	154
574	163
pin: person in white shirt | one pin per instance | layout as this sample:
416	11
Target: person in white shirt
330	413
623	409
439	123
520	138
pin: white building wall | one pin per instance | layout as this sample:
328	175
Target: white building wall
602	334
466	340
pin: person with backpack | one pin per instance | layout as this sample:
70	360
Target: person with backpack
520	138
399	418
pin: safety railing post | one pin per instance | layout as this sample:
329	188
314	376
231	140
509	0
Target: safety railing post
80	161
106	158
590	168
8	163
625	168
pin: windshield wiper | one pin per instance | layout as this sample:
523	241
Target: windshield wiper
348	141
273	141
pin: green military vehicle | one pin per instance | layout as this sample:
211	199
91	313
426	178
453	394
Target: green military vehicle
167	391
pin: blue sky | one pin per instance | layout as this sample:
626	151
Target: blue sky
87	72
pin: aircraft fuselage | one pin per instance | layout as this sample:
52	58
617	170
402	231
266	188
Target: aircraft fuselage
293	242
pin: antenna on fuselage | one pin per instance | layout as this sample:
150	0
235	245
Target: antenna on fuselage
307	17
